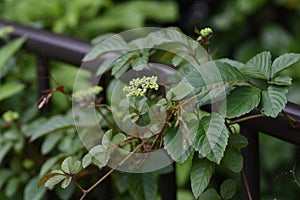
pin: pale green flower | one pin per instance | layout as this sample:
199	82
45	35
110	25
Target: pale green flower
139	86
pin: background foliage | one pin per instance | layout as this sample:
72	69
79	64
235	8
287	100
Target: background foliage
242	29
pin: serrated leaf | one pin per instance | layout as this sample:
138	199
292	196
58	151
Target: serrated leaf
177	144
240	101
202	171
259	66
237	141
9	89
212	79
123	62
32	192
55	123
233	160
9	50
70	166
228	189
52	179
210	194
112	44
233	63
281	80
210	140
273	100
142	186
284	61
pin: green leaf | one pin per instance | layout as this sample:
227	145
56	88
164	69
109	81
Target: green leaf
32	192
210	139
177	144
233	160
5	149
273	100
50	142
112	44
123	62
237	141
100	155
121	181
66	182
140	62
55	123
142	186
281	80
228	189
210	194
87	160
9	50
259	66
212	79
5	174
49	164
12	186
240	101
53	178
202	171
181	90
9	89
284	61
70	166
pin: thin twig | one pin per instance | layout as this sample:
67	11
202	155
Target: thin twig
246	185
294	175
85	192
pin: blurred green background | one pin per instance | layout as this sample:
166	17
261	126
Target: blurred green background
242	28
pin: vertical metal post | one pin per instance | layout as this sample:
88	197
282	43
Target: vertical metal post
251	169
43	79
168	186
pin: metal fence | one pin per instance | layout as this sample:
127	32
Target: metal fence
47	45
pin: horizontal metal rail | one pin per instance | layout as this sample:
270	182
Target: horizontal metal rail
70	50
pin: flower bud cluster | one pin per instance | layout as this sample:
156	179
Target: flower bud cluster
10	116
138	87
206	32
82	95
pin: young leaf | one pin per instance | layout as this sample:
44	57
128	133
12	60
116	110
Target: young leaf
259	66
53	178
273	100
228	189
142	186
100	155
210	194
87	160
233	160
240	101
210	140
202	171
284	61
70	166
66	182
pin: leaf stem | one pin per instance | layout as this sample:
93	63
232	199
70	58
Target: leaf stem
246	118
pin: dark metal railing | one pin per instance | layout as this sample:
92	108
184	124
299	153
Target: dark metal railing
47	45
